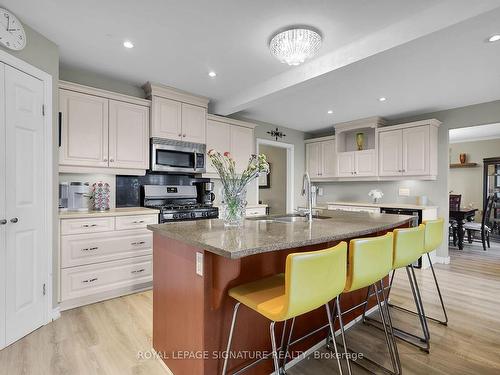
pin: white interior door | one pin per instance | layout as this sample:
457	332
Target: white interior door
25	212
3	217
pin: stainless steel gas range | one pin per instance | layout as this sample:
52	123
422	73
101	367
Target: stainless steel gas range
177	203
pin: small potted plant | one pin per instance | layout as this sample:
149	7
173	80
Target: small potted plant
234	185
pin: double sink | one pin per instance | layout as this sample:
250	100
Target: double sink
293	218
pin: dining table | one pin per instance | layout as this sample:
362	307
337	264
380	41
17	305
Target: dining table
460	216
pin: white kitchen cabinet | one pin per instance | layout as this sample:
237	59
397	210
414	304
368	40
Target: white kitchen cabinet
390	153
194	123
101	131
237	137
177	115
218	138
167	118
104	257
416	143
128	135
345	164
84	129
321	158
409	150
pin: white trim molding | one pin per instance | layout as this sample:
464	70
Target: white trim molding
290	167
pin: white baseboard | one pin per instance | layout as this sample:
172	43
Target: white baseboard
56	314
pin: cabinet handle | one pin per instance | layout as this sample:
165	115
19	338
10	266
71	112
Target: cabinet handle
3	222
180	134
90	248
112	160
89	280
184	135
138	271
138	222
104	159
14	220
89	225
138	243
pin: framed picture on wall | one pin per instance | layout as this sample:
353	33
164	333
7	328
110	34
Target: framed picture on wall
265	180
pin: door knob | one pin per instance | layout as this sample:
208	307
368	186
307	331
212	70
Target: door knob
3	222
14	220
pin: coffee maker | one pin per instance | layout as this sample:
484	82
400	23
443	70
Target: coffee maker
205	192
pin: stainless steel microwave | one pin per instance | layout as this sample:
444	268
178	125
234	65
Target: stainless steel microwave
168	155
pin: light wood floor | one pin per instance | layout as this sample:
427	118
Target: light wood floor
105	338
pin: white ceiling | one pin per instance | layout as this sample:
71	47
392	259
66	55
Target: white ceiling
371	48
475	133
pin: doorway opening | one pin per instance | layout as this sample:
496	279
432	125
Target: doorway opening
276	189
474	186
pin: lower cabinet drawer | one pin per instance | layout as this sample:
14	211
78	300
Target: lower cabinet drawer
90	225
82	249
256	211
135	222
97	278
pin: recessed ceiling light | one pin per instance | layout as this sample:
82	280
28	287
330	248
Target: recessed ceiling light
212	74
494	38
128	44
382	99
330	112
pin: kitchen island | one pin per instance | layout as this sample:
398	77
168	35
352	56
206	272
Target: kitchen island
195	263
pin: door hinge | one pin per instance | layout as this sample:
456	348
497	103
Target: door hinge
44	291
43	109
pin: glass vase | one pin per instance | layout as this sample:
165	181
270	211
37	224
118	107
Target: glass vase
233	207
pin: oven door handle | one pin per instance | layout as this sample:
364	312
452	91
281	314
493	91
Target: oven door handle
195	158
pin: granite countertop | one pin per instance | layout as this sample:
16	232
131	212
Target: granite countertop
382	204
111	212
261	236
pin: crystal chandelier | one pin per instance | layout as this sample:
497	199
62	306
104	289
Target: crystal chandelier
294	46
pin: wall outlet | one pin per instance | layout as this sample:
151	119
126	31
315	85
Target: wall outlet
199	264
404	192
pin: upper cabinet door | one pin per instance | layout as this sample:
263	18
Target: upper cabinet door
390	153
328	156
345	164
416	144
313	159
84	129
242	146
128	135
218	139
194	123
167	118
365	163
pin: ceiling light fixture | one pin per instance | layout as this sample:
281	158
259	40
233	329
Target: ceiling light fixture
212	74
494	38
128	44
293	46
382	99
330	112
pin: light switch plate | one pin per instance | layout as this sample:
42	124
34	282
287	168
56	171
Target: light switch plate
199	264
404	192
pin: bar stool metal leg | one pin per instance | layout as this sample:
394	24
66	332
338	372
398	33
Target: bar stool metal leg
332	332
231	331
274	348
445	321
391	329
385	324
342	334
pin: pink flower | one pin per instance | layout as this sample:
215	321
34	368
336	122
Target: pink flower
211	152
227	154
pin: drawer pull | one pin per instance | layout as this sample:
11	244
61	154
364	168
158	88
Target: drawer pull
89	280
138	222
89	225
139	243
139	271
90	248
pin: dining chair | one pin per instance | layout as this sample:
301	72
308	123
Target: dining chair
484	227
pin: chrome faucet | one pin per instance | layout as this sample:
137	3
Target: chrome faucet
307	189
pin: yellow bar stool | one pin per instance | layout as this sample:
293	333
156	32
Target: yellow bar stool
370	260
311	280
408	247
434	232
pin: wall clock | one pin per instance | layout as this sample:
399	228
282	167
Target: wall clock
12	33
